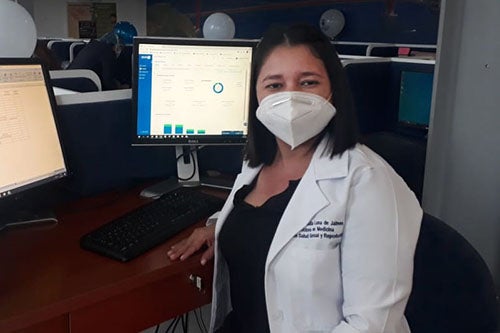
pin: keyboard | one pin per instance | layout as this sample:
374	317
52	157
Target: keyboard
138	231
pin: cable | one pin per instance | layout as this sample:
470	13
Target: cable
157	328
184	323
201	325
198	321
202	320
171	325
194	164
176	323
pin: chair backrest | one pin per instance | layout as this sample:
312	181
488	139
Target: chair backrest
61	49
369	80
81	80
453	289
352	48
74	48
405	154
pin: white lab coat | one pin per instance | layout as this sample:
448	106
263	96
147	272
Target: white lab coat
341	259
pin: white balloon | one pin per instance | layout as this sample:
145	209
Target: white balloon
218	26
17	31
332	22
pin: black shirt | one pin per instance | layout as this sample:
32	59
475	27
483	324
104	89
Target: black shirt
244	241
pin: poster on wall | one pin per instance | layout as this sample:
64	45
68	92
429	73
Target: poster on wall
87	29
90	20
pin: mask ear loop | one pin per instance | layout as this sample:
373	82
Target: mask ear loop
328	99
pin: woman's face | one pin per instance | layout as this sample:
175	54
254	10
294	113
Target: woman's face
292	68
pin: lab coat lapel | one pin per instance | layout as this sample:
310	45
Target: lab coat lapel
308	198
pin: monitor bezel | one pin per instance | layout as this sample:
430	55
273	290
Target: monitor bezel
192	140
52	100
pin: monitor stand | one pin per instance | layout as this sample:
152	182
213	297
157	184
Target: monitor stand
26	218
187	175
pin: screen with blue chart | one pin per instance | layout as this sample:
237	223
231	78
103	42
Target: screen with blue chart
191	91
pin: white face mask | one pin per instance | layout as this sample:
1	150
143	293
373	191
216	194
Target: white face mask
295	116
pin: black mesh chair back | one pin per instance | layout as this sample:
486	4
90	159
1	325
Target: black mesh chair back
453	290
405	154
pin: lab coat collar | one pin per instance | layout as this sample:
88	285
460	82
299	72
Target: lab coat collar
325	167
322	165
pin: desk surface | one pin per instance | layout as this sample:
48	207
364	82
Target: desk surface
49	284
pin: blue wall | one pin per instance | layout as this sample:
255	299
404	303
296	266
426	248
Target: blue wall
366	21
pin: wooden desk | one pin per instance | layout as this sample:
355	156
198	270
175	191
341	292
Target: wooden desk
49	284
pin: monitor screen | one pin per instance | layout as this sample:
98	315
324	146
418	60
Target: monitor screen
191	91
415	97
30	149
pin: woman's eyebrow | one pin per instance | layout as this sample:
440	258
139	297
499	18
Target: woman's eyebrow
310	74
272	77
280	76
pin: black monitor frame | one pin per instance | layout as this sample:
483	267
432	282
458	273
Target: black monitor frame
16	204
186	145
191	140
397	68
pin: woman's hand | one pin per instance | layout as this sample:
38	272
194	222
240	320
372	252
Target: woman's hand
188	246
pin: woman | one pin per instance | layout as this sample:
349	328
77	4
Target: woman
318	233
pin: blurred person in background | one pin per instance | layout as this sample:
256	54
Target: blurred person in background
104	57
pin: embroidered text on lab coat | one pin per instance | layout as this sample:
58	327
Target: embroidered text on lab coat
321	229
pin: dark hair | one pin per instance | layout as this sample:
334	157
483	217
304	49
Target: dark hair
343	128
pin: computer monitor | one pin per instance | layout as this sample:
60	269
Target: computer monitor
30	149
190	92
415	97
410	96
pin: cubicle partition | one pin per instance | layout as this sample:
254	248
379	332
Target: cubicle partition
96	134
381	49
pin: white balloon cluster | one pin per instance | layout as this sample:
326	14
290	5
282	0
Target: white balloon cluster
17	31
218	26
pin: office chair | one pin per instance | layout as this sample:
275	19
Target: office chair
453	290
369	80
405	154
61	49
74	48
